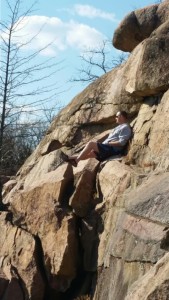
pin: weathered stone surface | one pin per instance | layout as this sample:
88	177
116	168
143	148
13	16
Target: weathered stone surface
81	200
140	153
154	284
136	239
138	25
147	19
135	27
113	180
150	143
18	261
42	208
41	165
151	199
158	136
163	11
60	249
161	31
113	282
127	36
125	239
51	146
7	187
39	178
148	67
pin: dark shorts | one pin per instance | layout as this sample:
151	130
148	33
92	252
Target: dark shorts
105	151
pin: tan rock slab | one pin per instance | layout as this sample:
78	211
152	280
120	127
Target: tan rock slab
42	209
18	261
135	27
150	200
148	67
113	179
136	239
81	200
154	284
7	187
114	281
139	24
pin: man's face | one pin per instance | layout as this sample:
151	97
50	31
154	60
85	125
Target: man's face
119	118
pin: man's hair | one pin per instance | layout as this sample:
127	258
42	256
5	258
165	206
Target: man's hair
124	114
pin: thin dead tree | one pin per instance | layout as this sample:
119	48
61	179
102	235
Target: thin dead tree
23	86
96	62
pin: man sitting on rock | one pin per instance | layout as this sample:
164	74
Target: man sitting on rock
114	144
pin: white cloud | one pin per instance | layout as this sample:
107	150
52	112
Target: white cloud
82	36
58	34
92	12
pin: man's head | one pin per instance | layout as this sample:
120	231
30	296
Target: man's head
121	117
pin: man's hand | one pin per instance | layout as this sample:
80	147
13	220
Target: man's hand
116	144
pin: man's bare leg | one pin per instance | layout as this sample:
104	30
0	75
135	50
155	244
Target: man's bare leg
87	152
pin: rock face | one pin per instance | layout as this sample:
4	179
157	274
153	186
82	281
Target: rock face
20	270
139	24
154	284
98	231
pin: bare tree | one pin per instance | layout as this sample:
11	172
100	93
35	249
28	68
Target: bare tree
23	90
96	62
19	142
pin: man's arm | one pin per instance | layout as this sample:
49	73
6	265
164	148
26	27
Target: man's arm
120	139
116	143
103	137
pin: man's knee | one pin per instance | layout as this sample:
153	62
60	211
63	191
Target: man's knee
91	144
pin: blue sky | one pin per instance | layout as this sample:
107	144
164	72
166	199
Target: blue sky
72	26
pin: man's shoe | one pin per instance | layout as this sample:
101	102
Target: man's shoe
66	158
73	162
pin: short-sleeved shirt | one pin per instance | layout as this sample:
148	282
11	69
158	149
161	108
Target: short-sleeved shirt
122	133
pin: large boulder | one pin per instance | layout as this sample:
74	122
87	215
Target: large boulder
135	27
138	25
129	243
84	184
113	281
41	207
21	276
151	199
154	284
147	67
150	142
